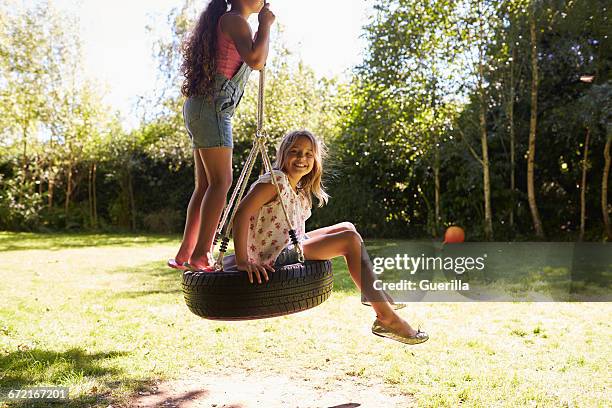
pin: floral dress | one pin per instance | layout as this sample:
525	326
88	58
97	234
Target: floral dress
268	230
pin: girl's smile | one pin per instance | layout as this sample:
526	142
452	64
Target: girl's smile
300	160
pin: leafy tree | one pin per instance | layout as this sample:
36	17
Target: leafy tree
535	214
410	54
28	61
593	114
399	116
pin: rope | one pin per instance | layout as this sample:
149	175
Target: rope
241	179
228	226
260	102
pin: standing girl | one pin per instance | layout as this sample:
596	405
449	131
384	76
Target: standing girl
218	56
261	237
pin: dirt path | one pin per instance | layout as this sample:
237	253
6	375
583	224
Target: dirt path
244	390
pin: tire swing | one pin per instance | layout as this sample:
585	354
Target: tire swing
227	294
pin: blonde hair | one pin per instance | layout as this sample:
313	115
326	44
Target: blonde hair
311	184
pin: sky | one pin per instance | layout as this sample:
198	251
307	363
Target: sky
118	49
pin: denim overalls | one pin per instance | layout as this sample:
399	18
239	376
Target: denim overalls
209	124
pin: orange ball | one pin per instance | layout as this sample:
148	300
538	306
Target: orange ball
454	235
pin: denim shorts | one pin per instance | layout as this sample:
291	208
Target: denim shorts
209	120
288	256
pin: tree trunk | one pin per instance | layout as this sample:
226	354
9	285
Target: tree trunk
51	185
436	164
68	186
131	201
583	186
24	130
512	141
90	194
604	189
51	188
486	180
95	200
535	215
437	187
430	224
40	165
482	118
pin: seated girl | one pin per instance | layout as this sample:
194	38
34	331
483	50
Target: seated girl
261	237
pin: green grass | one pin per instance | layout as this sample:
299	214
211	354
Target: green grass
104	316
57	242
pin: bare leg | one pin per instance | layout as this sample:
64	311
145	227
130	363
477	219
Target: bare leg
347	226
218	165
349	244
343	226
192	223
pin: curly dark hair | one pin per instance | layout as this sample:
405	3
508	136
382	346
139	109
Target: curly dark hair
199	60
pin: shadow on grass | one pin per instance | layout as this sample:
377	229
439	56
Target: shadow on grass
141	293
160	279
155	278
23	241
164	399
29	367
37	367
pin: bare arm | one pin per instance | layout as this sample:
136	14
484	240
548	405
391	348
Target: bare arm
254	53
260	195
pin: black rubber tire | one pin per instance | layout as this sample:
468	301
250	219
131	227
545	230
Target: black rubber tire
229	295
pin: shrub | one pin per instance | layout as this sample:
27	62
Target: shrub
164	221
20	204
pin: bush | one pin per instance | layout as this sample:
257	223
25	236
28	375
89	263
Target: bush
20	204
164	221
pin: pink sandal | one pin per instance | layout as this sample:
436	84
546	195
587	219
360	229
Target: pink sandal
192	268
173	264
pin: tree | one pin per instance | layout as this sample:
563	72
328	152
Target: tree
604	184
535	214
595	114
506	52
29	60
42	51
477	25
400	105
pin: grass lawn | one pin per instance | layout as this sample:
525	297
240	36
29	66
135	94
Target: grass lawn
102	315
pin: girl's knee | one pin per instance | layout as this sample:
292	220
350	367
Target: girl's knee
222	183
348	226
351	232
199	189
199	192
351	238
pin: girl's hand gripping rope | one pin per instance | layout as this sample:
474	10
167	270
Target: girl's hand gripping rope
266	17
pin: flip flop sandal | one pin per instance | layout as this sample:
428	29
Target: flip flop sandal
173	264
191	268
